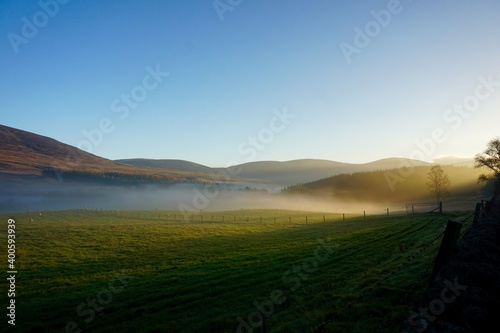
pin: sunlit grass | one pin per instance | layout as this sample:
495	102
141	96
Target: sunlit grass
200	276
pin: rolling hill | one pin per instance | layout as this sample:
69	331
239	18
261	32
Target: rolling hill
281	173
31	156
179	165
28	154
395	185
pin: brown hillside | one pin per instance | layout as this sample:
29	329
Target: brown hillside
27	154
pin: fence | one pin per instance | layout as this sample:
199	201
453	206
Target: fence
295	217
424	207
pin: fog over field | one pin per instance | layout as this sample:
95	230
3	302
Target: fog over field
187	197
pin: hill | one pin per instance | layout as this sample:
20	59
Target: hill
180	165
281	173
390	186
26	155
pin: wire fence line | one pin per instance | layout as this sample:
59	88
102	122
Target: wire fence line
309	217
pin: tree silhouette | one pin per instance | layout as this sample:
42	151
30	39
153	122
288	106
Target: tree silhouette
438	182
490	159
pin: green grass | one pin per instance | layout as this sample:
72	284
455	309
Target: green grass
200	276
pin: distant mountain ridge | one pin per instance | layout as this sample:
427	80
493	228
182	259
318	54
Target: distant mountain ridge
27	154
281	173
166	164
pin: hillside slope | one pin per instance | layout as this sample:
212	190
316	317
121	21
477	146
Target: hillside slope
27	154
180	165
390	185
280	173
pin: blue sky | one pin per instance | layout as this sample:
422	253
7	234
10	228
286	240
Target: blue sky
255	80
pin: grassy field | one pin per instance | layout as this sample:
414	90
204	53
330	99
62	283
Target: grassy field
109	271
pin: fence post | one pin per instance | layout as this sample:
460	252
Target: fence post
387	211
343	216
448	247
477	212
440	207
364	214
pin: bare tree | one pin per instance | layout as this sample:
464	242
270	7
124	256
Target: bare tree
438	182
490	159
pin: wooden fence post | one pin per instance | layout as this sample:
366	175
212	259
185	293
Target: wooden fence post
343	216
448	247
364	214
477	212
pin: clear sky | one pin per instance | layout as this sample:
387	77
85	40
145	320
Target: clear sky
233	81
